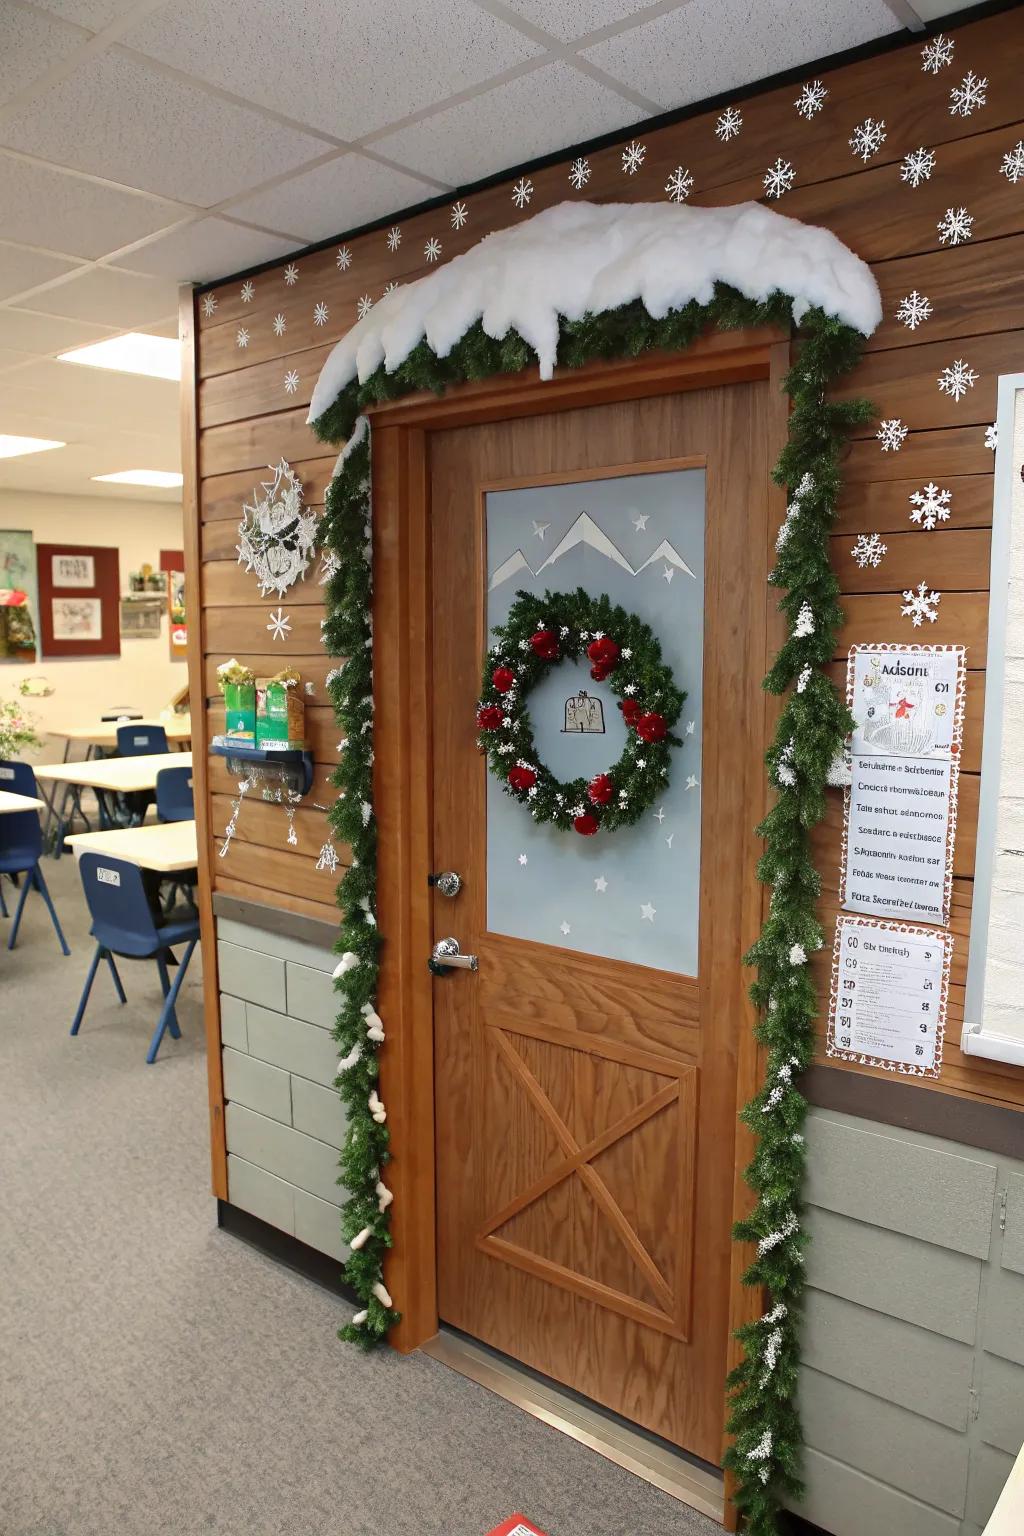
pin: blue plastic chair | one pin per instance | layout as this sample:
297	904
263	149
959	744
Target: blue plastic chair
124	924
174	795
140	740
21	847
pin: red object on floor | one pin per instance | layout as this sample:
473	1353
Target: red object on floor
516	1525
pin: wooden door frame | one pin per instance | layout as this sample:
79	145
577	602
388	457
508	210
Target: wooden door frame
402	771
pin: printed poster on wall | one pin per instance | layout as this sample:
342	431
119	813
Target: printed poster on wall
890	987
907	703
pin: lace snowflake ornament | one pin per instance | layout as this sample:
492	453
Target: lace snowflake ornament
868	550
955	226
892	434
931	506
914	309
937	53
679	185
579	173
921	604
277	536
729	124
867	138
968	96
1013	163
811	99
778	178
957	379
917	166
992	437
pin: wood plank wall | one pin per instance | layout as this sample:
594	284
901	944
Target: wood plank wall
252	401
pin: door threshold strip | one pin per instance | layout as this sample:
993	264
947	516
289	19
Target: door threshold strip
670	1471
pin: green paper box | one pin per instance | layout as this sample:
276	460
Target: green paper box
280	713
240	712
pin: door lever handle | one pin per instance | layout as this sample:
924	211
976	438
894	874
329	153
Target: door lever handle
446	956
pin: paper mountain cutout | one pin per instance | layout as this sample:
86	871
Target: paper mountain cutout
585	531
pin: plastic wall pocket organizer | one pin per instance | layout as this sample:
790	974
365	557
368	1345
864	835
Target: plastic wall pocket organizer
289	767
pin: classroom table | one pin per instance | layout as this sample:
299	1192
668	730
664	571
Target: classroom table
168	847
11	803
103	733
107	775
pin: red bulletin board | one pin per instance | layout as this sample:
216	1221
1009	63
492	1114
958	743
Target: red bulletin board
79	593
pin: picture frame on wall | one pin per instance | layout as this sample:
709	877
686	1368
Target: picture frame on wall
79	591
19	597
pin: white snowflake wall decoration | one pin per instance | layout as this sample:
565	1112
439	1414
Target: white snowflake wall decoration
327	859
930	505
579	173
729	124
390	288
914	309
522	191
459	215
957	379
868	550
937	53
968	96
892	434
242	336
209	304
955	226
247	291
291	274
679	185
917	166
280	325
867	138
778	178
1013	163
291	381
432	249
811	99
280	625
394	238
992	437
277	536
320	313
920	605
633	157
344	258
364	306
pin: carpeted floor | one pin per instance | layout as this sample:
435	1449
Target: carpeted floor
158	1376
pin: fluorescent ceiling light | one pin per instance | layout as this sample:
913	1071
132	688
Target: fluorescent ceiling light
13	447
135	352
163	477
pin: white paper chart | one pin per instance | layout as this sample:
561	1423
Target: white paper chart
900	823
890	983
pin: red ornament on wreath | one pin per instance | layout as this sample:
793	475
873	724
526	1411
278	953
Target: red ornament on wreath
503	678
521	778
489	717
604	653
545	645
651	727
600	789
631	711
587	824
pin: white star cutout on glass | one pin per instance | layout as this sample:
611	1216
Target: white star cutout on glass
280	325
291	381
679	185
523	859
633	157
729	124
691	726
647	912
280	625
892	434
459	215
668	573
247	291
291	274
957	379
564	930
921	605
867	138
242	336
522	191
640	521
691	782
320	313
659	814
937	53
811	99
668	840
955	226
968	96
778	178
1013	163
913	310
540	529
344	258
579	173
394	238
931	506
364	306
209	304
600	884
917	166
432	249
868	550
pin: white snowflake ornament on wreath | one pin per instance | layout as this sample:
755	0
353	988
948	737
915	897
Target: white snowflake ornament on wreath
778	178
937	53
892	434
276	537
931	506
729	124
633	157
867	138
579	173
914	309
868	550
957	379
679	185
917	166
920	605
1013	163
811	99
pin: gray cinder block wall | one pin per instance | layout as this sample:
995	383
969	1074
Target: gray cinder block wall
912	1389
284	1118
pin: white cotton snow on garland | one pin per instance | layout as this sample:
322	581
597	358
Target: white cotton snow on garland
580	258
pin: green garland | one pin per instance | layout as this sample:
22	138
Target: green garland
765	1453
539	633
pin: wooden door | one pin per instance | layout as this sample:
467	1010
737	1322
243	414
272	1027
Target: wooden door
585	1106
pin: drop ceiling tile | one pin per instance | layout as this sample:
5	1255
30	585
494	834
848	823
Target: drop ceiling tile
199	252
124	401
341	195
32	44
530	116
16	360
346	69
23	331
718	45
108	297
569	19
43	206
21	269
115	117
934	10
94	14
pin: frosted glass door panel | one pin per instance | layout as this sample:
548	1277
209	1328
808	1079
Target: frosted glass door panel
631	894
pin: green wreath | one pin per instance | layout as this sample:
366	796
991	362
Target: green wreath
539	633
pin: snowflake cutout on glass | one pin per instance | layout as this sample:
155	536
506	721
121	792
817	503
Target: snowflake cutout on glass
892	434
327	858
931	506
209	304
968	96
394	237
921	605
247	291
778	178
955	226
868	550
1013	163
992	437
917	166
280	625
522	191
914	308
291	274
937	53
364	306
242	336
344	258
811	99
867	138
679	185
432	249
320	313
957	379
633	157
291	381
729	124
579	173
459	215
